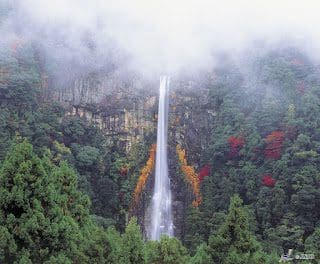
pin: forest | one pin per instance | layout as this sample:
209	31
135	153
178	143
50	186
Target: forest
66	192
243	158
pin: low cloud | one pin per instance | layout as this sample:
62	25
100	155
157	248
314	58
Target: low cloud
162	36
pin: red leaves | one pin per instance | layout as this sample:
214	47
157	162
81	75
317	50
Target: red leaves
204	172
235	144
273	145
268	180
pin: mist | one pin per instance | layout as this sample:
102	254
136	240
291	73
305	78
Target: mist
154	37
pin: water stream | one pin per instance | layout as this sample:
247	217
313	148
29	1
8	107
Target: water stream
161	221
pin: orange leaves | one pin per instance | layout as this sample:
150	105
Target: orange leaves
189	172
191	175
273	145
145	172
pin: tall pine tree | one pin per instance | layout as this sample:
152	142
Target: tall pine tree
43	217
233	243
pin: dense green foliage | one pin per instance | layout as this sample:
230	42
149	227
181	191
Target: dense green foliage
43	217
261	139
97	159
270	112
233	241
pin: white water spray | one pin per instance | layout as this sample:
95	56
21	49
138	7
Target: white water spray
161	222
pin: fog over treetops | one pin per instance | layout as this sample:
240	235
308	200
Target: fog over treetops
160	36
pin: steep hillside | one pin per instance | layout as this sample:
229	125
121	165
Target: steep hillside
240	128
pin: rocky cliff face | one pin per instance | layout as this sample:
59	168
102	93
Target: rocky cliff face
189	118
125	108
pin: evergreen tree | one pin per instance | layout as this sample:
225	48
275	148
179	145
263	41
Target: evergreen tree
312	244
168	250
233	242
194	229
133	243
43	217
202	256
118	252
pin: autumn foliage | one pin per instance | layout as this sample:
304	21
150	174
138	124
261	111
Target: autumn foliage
204	172
190	174
145	172
235	144
268	180
273	145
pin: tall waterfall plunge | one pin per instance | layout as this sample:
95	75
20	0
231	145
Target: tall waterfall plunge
161	222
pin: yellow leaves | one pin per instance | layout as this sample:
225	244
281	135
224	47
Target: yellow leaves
190	174
188	171
145	172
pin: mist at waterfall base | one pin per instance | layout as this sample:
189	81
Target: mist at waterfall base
161	219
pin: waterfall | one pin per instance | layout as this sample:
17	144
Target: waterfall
161	222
